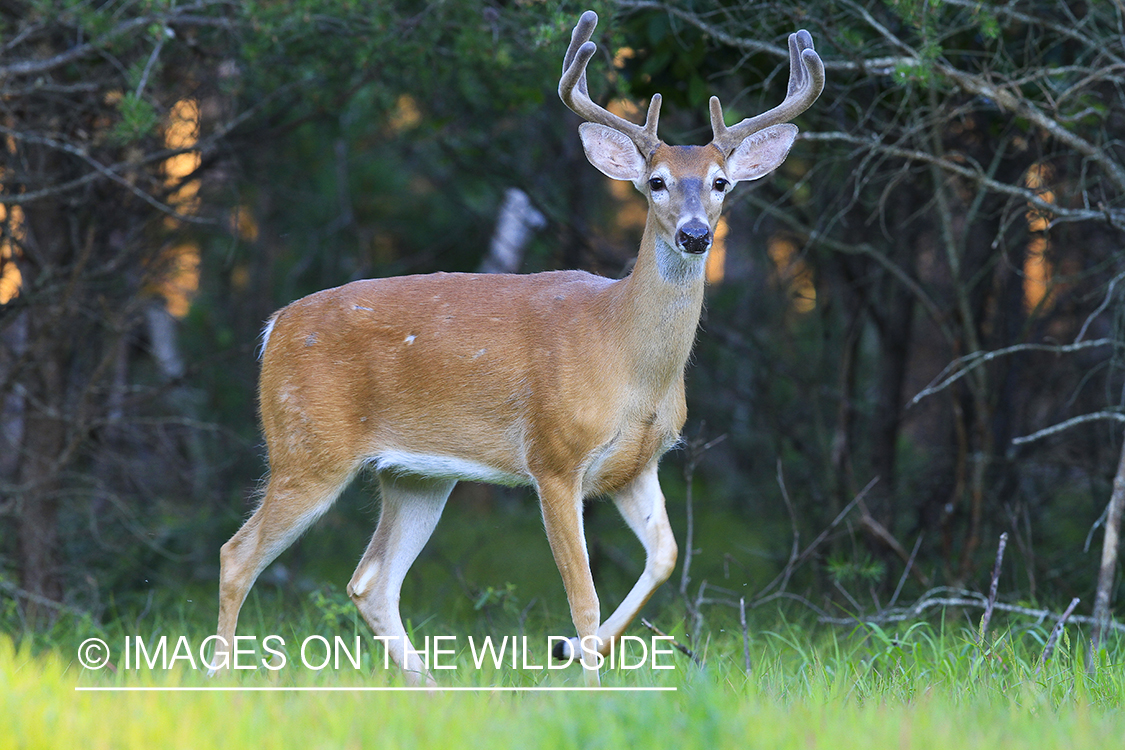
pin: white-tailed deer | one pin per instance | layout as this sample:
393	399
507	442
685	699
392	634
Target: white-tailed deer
565	381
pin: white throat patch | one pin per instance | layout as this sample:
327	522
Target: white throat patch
677	267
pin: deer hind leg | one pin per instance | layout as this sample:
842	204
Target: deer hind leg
290	506
411	508
562	519
641	503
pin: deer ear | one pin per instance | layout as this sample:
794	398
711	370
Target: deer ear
612	152
761	153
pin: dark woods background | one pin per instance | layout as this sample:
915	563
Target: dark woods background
171	173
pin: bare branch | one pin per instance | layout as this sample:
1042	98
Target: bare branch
959	598
883	65
1009	11
17	592
993	587
102	170
782	578
115	171
906	571
679	646
182	16
970	362
165	34
1101	308
977	175
1072	422
816	237
1055	633
1023	107
976	84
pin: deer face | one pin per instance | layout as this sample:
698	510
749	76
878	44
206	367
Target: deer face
685	185
685	188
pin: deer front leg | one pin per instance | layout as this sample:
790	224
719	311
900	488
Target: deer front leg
641	503
561	501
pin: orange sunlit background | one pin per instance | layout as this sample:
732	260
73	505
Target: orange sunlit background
12	218
180	281
9	274
1038	270
792	273
180	262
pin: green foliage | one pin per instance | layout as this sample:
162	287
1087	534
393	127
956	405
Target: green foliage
505	598
919	70
138	119
989	24
862	570
333	607
918	13
91	20
416	123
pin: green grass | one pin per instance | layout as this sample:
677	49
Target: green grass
921	685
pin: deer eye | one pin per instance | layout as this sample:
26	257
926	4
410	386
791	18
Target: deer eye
656	183
721	184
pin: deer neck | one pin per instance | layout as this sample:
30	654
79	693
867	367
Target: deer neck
656	310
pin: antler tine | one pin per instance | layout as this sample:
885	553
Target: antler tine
806	81
573	91
798	73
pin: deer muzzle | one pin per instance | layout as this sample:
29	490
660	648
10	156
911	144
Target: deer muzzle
694	237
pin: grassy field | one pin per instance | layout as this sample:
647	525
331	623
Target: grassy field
919	686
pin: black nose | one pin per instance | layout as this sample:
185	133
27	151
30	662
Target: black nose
694	237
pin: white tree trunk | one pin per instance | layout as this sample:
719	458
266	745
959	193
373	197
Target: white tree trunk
515	222
1109	557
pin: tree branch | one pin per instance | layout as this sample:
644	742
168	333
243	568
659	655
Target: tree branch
182	16
1072	422
971	361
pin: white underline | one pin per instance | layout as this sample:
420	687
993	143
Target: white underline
530	689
